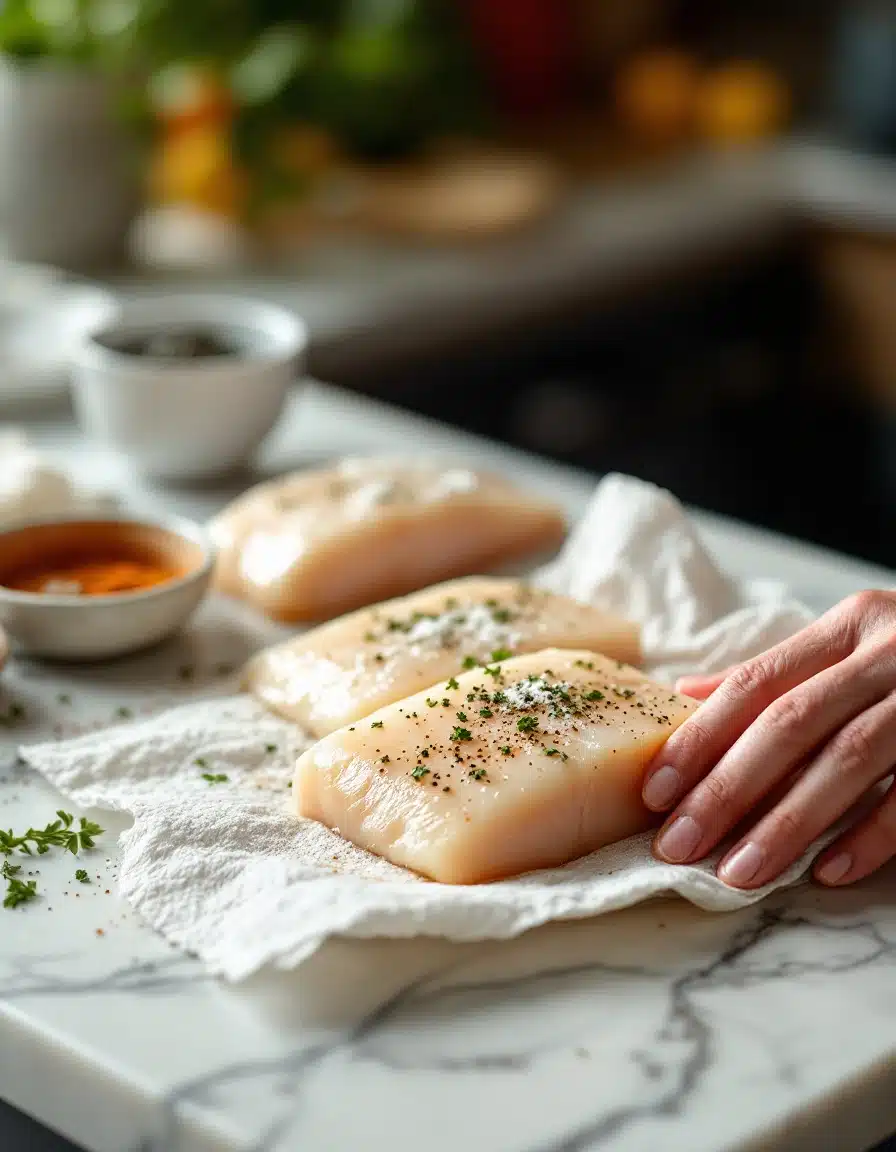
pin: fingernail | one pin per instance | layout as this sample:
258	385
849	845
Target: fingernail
662	787
679	840
836	868
742	865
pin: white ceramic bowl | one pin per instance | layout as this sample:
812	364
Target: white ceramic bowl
72	627
188	419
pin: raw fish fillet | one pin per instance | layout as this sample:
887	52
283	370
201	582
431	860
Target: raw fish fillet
526	764
333	675
314	545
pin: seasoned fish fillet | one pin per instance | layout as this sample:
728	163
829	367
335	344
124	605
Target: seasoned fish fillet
346	669
525	764
313	545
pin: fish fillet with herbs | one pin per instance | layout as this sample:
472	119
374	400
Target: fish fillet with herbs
313	545
341	671
524	764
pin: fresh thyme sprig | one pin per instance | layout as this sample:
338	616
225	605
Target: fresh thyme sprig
58	834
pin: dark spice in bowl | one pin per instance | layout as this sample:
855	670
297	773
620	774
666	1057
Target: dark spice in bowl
174	344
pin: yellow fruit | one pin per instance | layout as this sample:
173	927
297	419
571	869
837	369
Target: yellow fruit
655	94
197	168
742	102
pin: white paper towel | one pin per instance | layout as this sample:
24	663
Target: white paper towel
223	870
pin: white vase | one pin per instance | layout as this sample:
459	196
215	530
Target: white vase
68	183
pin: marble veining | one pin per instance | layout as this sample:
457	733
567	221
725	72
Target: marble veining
658	1028
618	1025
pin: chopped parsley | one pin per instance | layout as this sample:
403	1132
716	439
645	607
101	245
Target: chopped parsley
477	773
461	734
486	713
376	723
215	777
431	703
594	695
452	684
81	876
501	615
555	752
419	772
446	703
461	715
201	762
500	654
270	748
527	724
505	750
470	662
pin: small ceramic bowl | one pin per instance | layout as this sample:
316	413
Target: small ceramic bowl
179	418
82	627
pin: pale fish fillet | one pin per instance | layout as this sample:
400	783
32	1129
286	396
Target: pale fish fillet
529	765
313	545
341	671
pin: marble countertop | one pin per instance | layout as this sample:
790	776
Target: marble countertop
660	1027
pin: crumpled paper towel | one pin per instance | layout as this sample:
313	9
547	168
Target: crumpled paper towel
224	871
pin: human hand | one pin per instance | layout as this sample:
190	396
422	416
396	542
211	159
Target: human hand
809	725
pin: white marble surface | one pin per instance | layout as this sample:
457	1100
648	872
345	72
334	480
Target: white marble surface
659	1028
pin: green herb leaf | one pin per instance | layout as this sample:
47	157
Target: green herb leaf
81	876
477	773
419	772
500	654
215	777
505	750
452	684
376	723
527	724
470	662
486	712
461	734
19	892
461	715
594	695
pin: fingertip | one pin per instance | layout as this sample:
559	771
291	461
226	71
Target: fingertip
834	868
699	686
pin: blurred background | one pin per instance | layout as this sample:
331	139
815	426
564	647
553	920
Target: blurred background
644	235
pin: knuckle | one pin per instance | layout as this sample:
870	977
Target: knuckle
749	677
692	736
870	602
716	788
853	747
786	826
787	713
